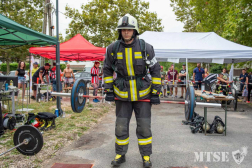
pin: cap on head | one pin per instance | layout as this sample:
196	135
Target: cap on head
184	65
161	67
127	22
35	63
47	64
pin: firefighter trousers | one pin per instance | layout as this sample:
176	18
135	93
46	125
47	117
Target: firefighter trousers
142	111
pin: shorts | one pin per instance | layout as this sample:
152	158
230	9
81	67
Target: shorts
69	80
34	87
21	79
197	85
55	87
171	85
183	83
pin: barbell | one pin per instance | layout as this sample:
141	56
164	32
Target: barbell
78	97
28	140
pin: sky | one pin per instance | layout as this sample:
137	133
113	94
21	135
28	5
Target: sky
161	7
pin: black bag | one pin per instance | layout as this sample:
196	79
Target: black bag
46	115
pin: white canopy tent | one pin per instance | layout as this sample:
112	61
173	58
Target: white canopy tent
196	47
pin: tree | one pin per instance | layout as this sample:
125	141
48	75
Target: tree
231	19
26	12
98	19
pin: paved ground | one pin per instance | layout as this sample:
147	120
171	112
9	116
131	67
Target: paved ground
173	143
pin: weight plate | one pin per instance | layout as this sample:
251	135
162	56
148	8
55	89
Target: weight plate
9	122
190	98
78	102
28	132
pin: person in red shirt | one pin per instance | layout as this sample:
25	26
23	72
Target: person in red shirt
172	76
95	79
53	78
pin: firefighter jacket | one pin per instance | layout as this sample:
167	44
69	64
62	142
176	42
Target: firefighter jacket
132	82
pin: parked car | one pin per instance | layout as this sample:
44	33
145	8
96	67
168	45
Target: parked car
83	75
12	73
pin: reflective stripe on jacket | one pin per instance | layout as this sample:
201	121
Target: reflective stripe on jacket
130	63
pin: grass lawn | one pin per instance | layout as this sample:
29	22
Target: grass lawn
67	130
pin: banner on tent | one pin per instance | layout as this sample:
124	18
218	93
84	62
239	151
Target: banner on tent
218	60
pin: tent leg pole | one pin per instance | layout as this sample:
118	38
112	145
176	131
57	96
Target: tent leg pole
58	57
187	73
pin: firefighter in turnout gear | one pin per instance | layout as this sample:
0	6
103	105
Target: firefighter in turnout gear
131	58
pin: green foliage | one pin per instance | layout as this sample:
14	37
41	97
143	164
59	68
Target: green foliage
62	67
216	68
231	19
178	66
98	19
14	66
26	12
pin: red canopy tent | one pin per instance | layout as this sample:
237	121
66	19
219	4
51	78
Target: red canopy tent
75	49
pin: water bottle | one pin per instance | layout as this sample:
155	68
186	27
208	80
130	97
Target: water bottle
202	86
11	83
6	86
57	112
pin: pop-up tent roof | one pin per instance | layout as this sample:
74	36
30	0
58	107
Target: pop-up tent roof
75	49
14	34
197	47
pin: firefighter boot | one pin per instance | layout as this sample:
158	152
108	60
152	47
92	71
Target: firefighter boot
146	162
119	159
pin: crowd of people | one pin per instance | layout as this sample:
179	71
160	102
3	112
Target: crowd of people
172	78
38	74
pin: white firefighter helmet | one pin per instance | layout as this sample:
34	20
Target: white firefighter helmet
128	22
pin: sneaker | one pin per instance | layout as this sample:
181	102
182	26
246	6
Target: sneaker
166	96
119	159
172	96
24	100
247	101
176	97
181	97
96	101
146	162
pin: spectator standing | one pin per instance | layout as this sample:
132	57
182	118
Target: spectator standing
69	76
249	84
95	80
198	76
40	73
225	74
53	78
172	76
20	72
206	72
245	93
242	79
164	85
182	75
34	69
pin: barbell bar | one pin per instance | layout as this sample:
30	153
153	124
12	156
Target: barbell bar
78	97
28	140
143	100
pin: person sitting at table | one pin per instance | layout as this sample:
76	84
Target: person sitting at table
222	84
40	73
21	78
